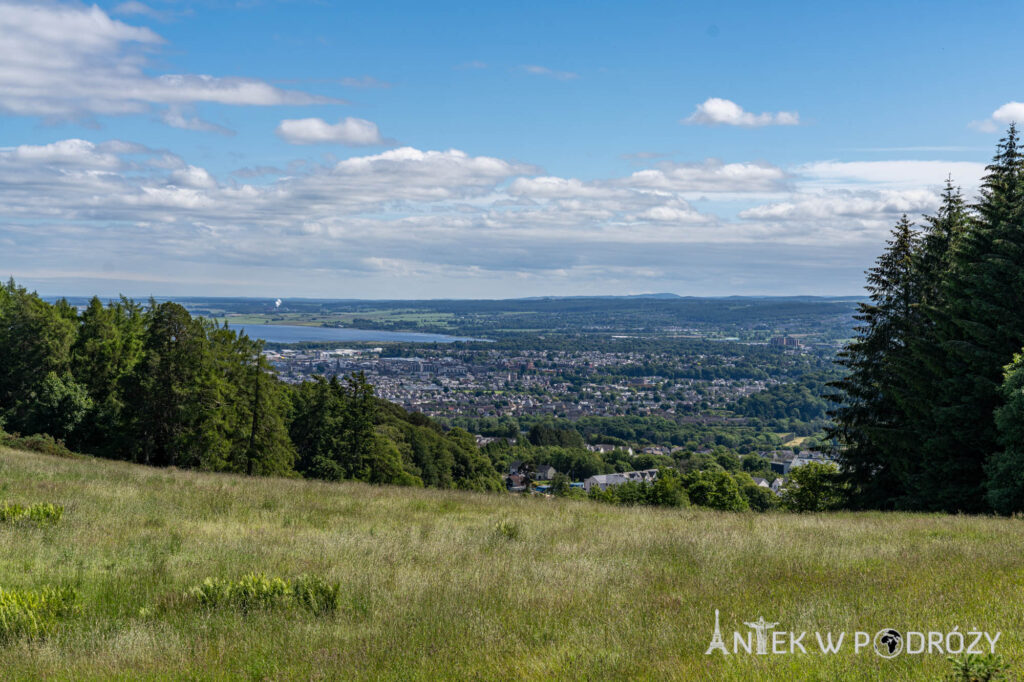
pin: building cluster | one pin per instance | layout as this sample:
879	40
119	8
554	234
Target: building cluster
521	475
568	384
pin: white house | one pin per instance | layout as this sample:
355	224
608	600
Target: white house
602	481
604	448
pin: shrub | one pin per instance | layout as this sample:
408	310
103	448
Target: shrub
759	498
507	529
716	489
39	442
42	514
813	487
34	614
977	668
256	591
317	595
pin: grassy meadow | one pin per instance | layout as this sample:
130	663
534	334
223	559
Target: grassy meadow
450	585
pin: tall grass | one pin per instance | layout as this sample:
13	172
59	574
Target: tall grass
428	584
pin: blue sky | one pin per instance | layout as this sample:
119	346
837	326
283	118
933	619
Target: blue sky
456	149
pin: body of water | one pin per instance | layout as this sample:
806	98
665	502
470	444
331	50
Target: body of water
284	333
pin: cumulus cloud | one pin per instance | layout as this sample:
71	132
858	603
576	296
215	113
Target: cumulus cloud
73	152
433	212
865	206
64	61
1011	112
711	175
355	132
194	177
717	111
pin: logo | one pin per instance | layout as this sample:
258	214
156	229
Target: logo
888	643
763	638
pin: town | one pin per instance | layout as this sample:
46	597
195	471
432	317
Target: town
443	382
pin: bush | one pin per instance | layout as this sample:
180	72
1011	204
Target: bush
39	442
977	668
813	487
256	591
507	529
43	514
715	489
317	595
34	614
759	498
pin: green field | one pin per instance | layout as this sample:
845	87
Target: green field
411	318
451	585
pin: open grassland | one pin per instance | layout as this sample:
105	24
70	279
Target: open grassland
447	585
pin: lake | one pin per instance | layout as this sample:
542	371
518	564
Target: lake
284	333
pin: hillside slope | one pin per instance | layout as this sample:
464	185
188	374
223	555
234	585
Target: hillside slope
439	584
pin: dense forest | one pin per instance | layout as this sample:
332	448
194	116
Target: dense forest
155	385
930	414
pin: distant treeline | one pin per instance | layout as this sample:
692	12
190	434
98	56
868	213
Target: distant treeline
627	314
154	385
801	400
931	414
624	430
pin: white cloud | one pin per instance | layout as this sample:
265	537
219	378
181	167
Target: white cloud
430	212
1011	112
536	70
176	118
63	61
73	152
869	207
557	188
194	177
718	111
890	174
355	132
710	176
680	213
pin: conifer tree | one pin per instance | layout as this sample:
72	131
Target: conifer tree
979	327
869	423
918	368
1005	469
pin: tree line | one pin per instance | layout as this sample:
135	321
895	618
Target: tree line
930	415
154	385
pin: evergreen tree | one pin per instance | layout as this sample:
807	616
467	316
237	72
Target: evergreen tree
979	329
917	370
35	342
107	348
168	393
870	425
316	427
1006	467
